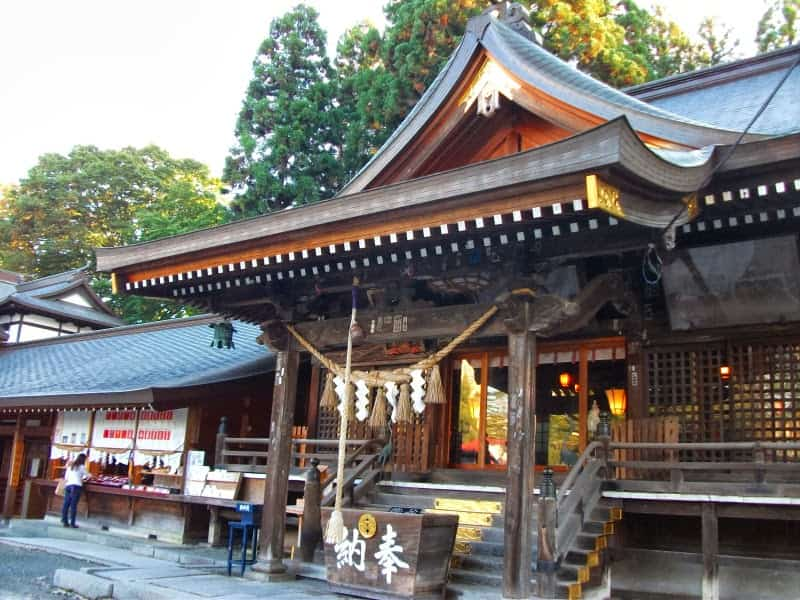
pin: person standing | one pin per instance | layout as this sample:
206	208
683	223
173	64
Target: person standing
73	486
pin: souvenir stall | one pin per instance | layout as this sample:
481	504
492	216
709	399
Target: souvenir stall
136	459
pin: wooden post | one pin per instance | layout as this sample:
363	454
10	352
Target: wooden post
14	469
273	523
312	415
219	446
546	563
583	399
710	552
517	571
311	523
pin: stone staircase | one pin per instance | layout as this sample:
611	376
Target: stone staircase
479	499
476	499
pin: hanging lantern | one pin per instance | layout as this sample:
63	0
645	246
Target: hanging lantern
725	372
223	335
617	401
565	379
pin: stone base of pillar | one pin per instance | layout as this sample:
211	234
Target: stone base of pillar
269	571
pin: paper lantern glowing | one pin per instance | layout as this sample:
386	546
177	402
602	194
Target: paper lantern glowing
565	379
724	372
617	401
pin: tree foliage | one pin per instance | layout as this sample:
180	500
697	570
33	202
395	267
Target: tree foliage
288	139
69	205
779	25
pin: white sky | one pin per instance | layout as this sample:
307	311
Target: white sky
119	73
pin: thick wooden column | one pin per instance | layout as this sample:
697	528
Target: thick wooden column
710	529
273	522
517	571
14	469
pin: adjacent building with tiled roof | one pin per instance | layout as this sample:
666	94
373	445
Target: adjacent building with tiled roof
125	366
51	306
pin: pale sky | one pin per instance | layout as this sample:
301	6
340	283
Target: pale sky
116	73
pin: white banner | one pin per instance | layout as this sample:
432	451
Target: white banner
71	433
114	429
160	437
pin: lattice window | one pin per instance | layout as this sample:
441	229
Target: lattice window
684	382
765	390
761	401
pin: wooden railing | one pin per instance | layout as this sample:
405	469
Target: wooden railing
577	496
710	462
250	454
767	469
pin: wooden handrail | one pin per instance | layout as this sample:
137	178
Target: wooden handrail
587	454
295	441
705	446
577	493
329	496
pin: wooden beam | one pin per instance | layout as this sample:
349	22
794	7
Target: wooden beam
273	523
521	442
550	315
710	525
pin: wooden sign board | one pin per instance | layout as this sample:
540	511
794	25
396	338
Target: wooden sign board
391	555
222	484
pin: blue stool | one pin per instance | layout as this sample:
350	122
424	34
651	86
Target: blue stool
249	525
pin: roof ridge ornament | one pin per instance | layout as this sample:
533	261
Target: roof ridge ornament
516	16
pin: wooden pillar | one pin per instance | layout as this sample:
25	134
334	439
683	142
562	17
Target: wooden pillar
583	399
273	523
517	568
14	469
710	551
312	415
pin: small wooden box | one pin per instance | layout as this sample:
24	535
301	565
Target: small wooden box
222	484
407	557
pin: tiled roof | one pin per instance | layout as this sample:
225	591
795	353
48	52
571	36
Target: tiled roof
728	96
167	354
38	296
544	71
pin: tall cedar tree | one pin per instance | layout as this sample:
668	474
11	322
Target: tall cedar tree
779	26
288	138
68	205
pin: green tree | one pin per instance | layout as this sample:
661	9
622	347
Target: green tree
363	108
68	205
779	25
288	139
587	32
718	45
659	44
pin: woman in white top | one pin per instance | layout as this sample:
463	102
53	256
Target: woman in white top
73	486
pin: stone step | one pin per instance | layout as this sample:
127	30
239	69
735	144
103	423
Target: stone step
478	577
404	499
443	490
486	548
481	562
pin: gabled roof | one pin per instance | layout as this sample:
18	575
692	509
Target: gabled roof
729	95
125	364
545	86
46	295
463	193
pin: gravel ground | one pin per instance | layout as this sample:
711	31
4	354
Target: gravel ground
28	574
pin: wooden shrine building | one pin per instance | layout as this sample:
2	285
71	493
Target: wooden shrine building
635	253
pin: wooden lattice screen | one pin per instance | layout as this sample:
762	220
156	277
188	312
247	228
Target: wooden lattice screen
411	445
656	429
759	402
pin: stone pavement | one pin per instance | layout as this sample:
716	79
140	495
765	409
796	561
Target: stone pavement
135	569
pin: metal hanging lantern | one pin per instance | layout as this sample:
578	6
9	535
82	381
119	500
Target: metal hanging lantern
223	335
